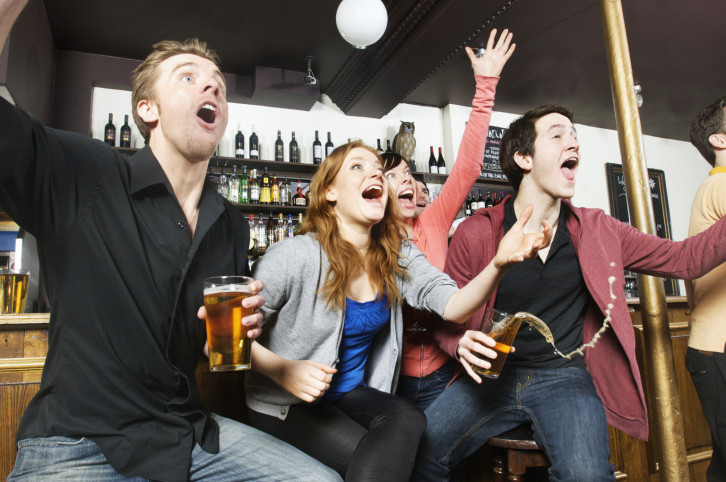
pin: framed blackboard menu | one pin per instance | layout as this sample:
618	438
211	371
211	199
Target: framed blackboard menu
659	197
491	169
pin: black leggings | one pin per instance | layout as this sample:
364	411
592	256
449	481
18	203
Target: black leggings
364	435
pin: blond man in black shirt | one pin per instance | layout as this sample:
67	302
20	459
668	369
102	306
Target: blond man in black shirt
124	244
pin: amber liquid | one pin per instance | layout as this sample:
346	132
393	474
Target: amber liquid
13	292
504	337
229	347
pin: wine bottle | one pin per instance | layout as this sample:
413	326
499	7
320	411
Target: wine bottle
479	200
488	202
294	152
440	164
254	145
328	146
379	148
239	144
388	146
125	140
109	132
317	150
279	148
433	167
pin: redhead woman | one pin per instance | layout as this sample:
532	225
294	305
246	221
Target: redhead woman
426	368
327	363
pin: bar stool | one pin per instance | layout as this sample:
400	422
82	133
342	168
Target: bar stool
514	452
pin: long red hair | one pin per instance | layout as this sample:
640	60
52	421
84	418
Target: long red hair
381	261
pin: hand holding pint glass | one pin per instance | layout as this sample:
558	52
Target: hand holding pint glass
229	347
502	328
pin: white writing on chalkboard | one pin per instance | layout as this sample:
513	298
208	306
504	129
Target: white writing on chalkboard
490	168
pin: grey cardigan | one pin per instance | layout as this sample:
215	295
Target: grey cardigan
299	326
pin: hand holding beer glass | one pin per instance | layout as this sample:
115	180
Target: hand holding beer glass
229	346
492	343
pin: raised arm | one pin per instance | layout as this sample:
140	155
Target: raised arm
515	247
467	168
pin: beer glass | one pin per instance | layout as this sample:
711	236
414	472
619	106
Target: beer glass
502	327
13	290
229	347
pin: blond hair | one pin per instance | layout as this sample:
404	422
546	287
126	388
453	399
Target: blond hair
145	75
381	261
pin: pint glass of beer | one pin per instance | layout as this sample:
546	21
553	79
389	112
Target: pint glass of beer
229	347
502	327
13	290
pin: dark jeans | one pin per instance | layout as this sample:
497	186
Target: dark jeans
708	373
423	391
561	405
364	435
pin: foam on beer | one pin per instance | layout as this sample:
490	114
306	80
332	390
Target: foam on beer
213	290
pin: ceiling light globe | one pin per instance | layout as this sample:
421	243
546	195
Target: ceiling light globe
361	22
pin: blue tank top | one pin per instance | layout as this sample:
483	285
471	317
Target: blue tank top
362	323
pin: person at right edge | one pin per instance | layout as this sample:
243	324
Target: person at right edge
705	358
574	286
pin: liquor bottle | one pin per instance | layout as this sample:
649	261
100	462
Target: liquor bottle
265	197
270	230
494	199
239	144
284	193
223	186
210	174
244	186
280	231
328	146
299	221
488	202
233	194
254	190
388	146
379	148
317	150
299	199
290	227
254	145
467	206
440	164
261	233
109	132
275	192
252	250
294	152
433	168
279	148
125	140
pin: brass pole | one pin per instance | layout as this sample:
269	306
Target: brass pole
667	428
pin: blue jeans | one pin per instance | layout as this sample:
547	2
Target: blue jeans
561	405
423	391
244	454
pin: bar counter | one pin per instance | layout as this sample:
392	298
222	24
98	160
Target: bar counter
25	342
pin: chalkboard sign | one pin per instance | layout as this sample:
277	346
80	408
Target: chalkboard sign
491	169
659	197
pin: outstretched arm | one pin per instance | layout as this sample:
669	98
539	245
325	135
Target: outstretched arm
491	63
515	247
9	11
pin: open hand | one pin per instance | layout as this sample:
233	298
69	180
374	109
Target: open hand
516	246
495	56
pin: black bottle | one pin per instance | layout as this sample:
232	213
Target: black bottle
317	150
328	146
125	140
279	148
294	151
109	132
239	144
254	145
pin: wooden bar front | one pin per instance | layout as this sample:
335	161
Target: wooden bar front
25	342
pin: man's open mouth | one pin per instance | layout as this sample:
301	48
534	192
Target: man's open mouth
207	113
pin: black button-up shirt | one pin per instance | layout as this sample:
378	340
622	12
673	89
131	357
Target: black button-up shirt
124	280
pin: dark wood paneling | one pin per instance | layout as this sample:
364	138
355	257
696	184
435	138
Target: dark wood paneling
14	397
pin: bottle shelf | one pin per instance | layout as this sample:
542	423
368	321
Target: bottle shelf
252	208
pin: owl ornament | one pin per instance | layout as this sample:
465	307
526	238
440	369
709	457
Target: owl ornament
404	143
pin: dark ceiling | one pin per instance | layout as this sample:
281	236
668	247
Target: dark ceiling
560	54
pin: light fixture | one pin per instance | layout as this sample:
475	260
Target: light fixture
638	95
309	78
361	22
